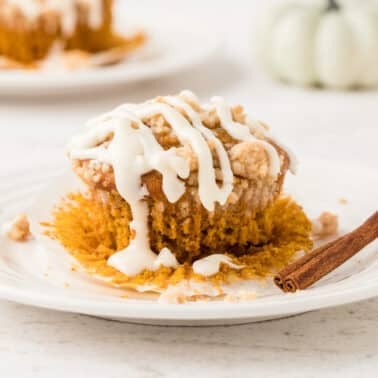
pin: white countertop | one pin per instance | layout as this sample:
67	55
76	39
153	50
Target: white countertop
339	342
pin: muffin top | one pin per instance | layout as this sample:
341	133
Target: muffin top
178	137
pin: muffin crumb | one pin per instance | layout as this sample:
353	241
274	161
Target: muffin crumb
18	229
325	226
243	295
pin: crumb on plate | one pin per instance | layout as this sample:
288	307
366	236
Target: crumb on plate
243	295
325	226
18	229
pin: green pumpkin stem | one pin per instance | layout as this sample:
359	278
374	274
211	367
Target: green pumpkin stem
333	5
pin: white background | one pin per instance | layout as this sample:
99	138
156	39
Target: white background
340	126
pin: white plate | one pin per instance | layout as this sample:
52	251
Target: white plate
319	186
171	49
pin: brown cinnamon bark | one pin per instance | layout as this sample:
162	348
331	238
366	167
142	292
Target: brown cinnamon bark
312	267
280	277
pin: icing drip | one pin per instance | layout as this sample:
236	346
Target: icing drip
67	10
255	125
165	258
218	194
141	155
134	151
210	265
243	133
187	135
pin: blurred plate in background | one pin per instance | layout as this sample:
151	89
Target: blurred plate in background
171	48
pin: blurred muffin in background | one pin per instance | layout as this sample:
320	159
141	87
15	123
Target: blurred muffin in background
29	29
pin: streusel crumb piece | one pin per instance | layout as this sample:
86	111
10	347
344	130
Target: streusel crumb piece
326	225
242	296
18	229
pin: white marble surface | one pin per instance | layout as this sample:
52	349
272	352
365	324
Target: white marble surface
340	342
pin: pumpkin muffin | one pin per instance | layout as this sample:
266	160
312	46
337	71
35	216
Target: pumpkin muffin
179	191
30	28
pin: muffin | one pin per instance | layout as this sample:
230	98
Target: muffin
30	28
178	190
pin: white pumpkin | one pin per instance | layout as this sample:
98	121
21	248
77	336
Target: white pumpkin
332	44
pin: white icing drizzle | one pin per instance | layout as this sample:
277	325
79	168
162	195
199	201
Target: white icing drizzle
142	154
134	151
186	134
67	10
255	125
165	258
243	133
219	194
210	265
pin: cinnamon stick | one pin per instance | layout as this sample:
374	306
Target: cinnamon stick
312	267
280	277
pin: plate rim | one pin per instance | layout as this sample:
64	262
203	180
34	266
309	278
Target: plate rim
24	83
187	312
